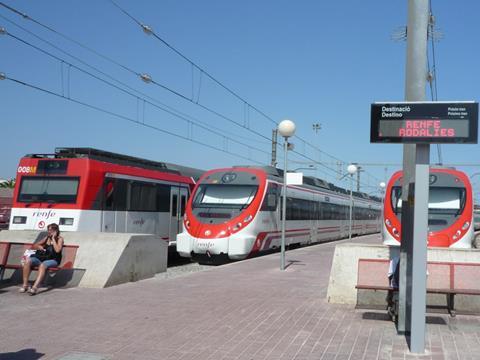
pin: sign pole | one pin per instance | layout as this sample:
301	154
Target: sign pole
412	296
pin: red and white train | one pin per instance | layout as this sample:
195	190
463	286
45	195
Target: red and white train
90	190
235	213
450	209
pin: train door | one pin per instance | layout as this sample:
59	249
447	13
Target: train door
114	204
108	213
182	207
178	202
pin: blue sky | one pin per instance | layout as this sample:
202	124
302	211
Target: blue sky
310	61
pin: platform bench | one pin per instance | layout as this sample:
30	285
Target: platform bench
446	278
11	254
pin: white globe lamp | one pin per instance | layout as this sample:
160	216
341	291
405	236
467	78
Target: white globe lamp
352	169
287	128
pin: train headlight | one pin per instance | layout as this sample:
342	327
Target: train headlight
187	224
466	225
248	218
395	232
388	223
454	237
237	226
458	233
208	233
19	219
66	221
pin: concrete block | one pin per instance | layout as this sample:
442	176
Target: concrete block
107	259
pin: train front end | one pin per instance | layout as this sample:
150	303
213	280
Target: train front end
220	219
450	210
48	190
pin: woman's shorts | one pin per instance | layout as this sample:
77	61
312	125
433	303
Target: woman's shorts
47	263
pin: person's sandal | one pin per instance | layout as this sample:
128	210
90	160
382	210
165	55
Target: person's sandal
32	291
23	289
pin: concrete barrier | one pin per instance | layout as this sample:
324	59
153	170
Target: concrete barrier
343	275
108	259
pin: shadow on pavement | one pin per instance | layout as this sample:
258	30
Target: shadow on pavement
293	262
25	354
369	315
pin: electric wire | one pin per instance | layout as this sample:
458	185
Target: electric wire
128	93
149	30
123	117
202	72
140	75
27	17
124	84
433	72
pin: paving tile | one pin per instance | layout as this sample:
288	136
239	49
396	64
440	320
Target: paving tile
245	310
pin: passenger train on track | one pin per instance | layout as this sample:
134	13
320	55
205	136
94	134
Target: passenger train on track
90	190
450	209
235	213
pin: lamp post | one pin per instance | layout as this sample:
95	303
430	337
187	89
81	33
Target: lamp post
286	128
352	169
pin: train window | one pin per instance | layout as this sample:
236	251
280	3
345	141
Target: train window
183	202
446	200
326	211
174	205
142	197
115	191
271	198
396	199
163	198
49	189
224	196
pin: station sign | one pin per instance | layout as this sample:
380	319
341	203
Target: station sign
424	122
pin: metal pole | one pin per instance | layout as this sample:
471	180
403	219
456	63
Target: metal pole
382	210
351	205
413	253
419	250
284	205
274	147
359	170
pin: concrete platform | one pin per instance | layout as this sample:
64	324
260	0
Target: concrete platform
246	310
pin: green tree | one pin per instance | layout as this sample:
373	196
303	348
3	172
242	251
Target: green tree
9	184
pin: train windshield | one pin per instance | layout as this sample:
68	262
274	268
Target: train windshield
48	189
224	196
442	200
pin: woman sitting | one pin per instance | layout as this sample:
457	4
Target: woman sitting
48	254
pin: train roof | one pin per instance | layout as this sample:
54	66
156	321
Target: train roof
120	159
310	181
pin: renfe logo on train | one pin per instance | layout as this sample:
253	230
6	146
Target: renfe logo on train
424	122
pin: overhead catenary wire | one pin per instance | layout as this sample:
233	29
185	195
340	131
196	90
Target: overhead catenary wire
194	119
148	30
27	17
148	79
123	117
127	92
432	72
144	76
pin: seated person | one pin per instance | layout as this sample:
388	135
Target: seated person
393	281
48	254
394	272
